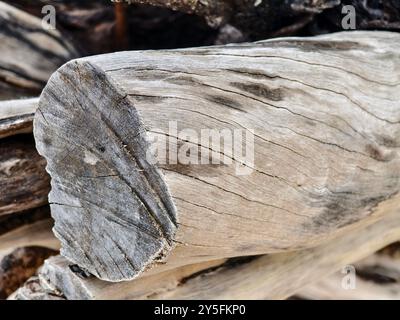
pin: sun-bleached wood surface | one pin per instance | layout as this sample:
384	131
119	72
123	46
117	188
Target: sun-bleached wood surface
376	278
326	123
276	276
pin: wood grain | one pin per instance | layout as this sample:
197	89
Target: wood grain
326	124
29	53
275	276
24	183
16	116
377	278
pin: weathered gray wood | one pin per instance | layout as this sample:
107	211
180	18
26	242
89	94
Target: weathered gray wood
326	127
29	53
16	116
275	276
33	290
279	276
24	183
60	277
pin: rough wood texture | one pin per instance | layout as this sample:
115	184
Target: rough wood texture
26	240
29	53
326	127
16	116
34	289
275	276
377	278
60	277
216	12
19	266
24	183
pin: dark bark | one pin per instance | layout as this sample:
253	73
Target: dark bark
371	14
24	183
19	266
269	18
14	221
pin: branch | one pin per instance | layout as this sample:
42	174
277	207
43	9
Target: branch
29	53
275	276
326	153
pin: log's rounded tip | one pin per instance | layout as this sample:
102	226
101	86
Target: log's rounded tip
113	212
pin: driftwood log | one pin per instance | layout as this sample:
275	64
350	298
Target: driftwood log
29	53
276	276
16	116
377	278
24	183
26	240
326	123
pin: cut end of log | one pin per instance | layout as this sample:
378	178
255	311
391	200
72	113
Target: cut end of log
117	193
316	169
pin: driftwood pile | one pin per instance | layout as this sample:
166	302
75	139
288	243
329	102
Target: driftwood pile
313	194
